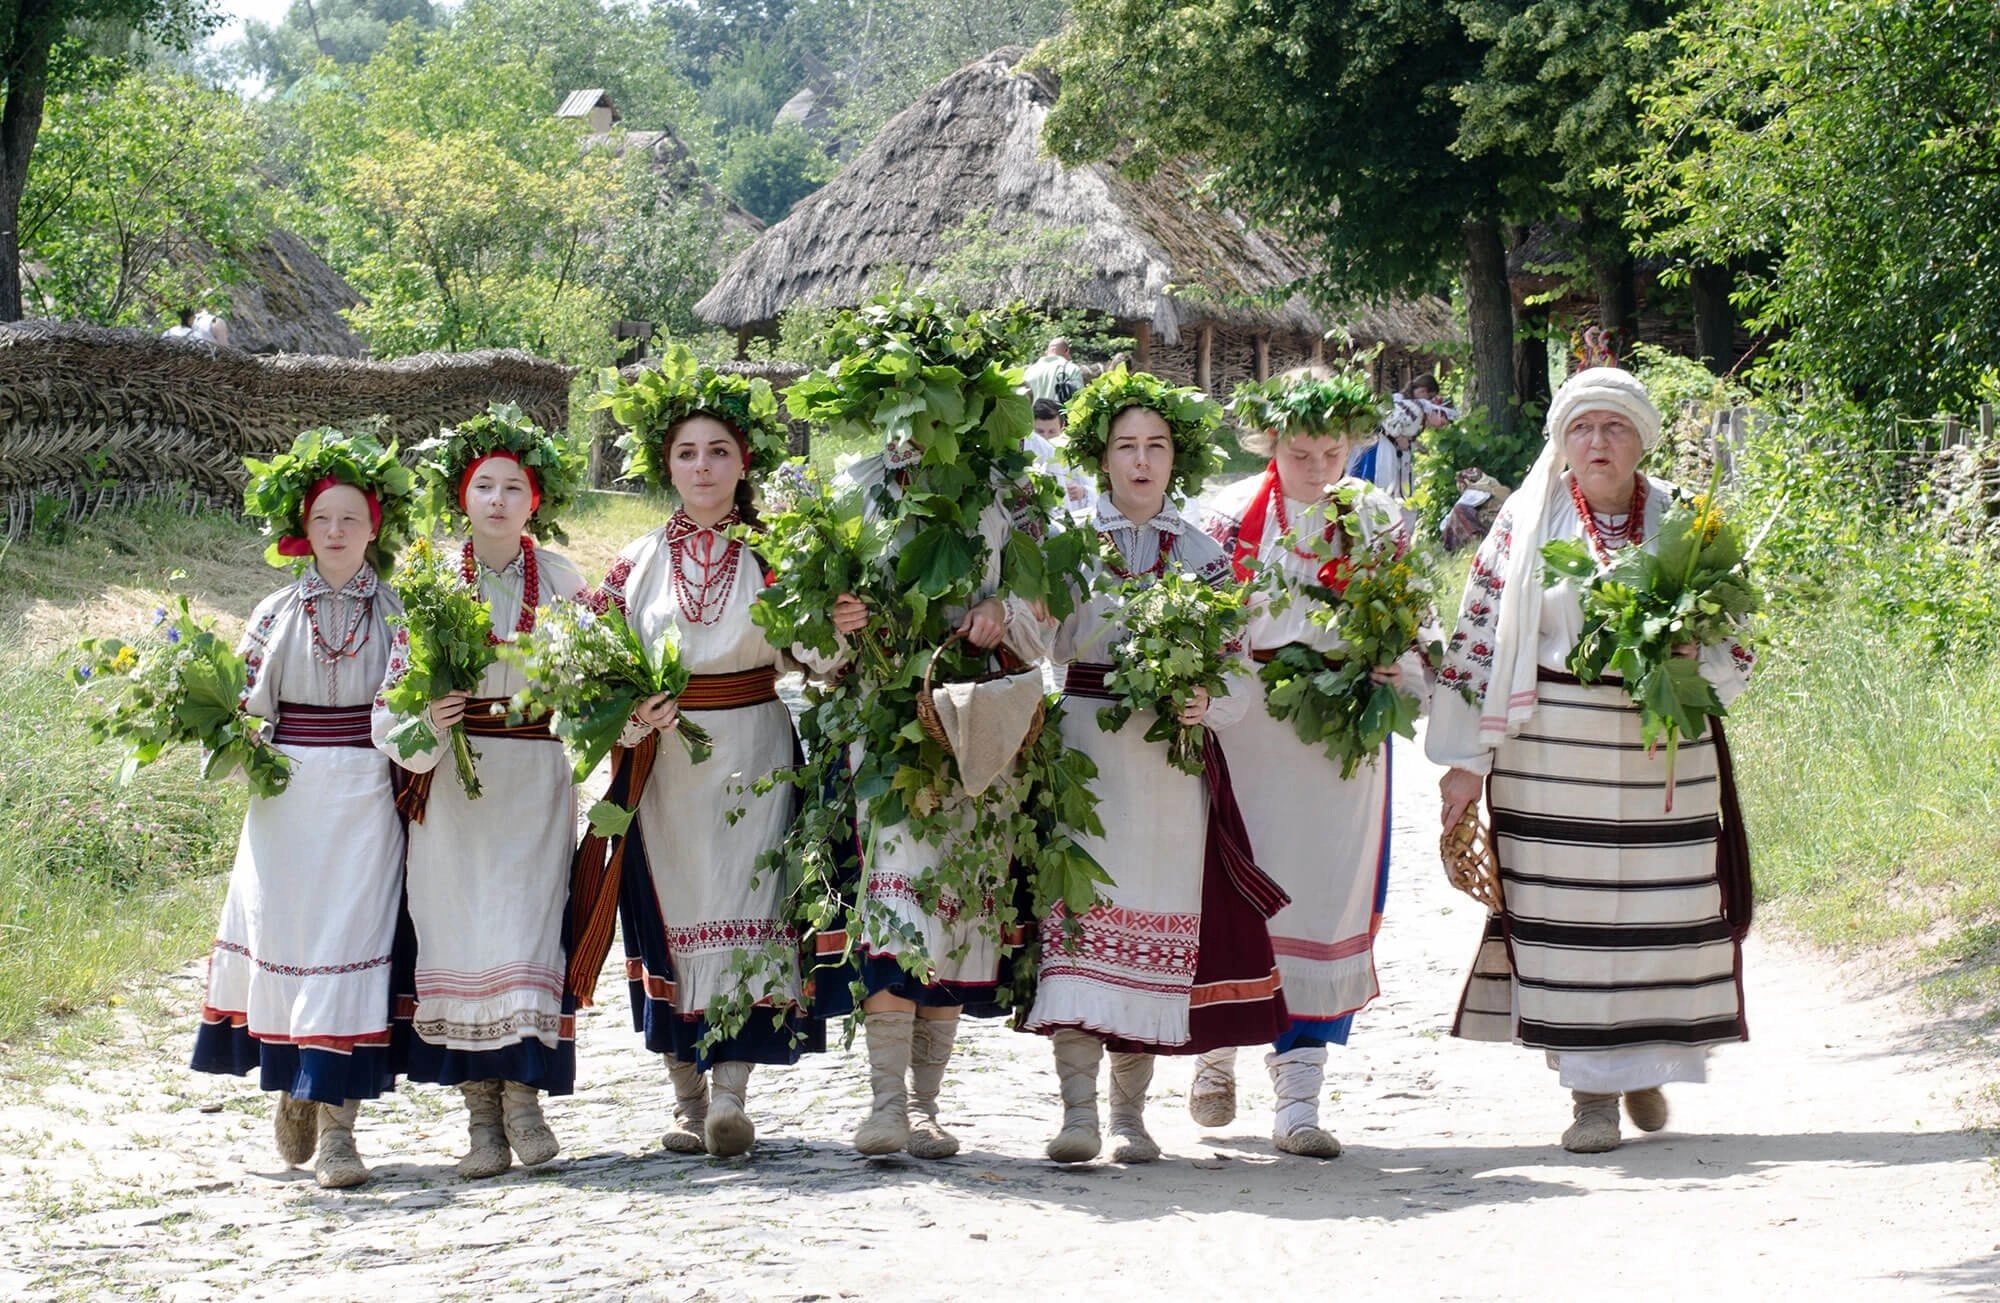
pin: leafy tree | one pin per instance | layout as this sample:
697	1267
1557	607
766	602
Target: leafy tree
664	248
1851	145
345	31
1336	123
29	33
130	179
767	174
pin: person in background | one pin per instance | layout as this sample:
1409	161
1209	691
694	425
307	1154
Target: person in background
184	329
1053	375
212	328
1079	493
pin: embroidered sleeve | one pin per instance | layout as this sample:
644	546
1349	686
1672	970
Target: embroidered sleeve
256	650
1468	654
612	591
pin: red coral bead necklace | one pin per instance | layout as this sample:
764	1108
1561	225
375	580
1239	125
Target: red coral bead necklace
531	585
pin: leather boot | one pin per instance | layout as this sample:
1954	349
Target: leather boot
1647	1108
729	1131
337	1165
930	1049
1130	1075
1077	1056
521	1113
297	1126
688	1135
1212	1098
1296	1076
886	1129
1595	1130
488	1154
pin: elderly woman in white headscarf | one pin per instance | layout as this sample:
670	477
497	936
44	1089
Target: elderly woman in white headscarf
1618	949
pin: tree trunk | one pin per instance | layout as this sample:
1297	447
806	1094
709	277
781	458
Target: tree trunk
1489	310
1617	298
1714	318
1531	359
27	85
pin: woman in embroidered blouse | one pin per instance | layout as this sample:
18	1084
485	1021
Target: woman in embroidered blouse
693	905
489	878
1135	982
1324	839
1618	948
298	982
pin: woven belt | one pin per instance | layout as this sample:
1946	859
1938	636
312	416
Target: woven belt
487	717
1086	679
730	691
300	725
1264	655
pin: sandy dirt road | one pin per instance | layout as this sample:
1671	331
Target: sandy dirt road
1830	1158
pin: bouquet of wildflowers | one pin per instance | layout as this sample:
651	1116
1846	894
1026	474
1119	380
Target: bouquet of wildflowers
450	628
1692	590
589	673
1377	597
1177	632
184	685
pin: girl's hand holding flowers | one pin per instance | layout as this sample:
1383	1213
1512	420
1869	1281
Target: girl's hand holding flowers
850	615
658	713
985	624
1197	709
447	711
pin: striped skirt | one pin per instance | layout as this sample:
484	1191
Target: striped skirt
1614	932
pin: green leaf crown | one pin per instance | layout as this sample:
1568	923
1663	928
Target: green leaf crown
1341	404
557	464
653	402
277	490
1192	419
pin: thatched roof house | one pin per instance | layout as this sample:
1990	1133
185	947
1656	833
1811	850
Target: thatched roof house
1207	297
291	302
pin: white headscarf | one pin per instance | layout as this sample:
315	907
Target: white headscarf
1510	691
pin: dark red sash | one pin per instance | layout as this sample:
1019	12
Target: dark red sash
300	725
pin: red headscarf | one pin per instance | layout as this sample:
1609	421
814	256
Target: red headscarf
534	483
289	546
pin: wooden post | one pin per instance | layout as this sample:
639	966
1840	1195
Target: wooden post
1319	350
742	343
1985	423
1142	346
1204	351
1953	432
1262	343
1718	440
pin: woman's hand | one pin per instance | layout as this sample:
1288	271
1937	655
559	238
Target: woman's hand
850	614
1195	711
1460	788
446	711
1391	674
985	624
658	712
1688	651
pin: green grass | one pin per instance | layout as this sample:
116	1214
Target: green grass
1870	786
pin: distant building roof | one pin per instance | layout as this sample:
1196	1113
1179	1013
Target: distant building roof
580	103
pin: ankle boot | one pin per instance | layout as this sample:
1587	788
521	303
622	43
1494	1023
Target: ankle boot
297	1126
930	1049
1647	1108
1595	1130
488	1154
521	1114
729	1131
688	1135
1296	1076
337	1165
1077	1056
1212	1098
1130	1075
886	1129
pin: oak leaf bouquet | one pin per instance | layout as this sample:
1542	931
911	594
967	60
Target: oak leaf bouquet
183	686
1177	631
449	627
589	672
1692	589
1378	597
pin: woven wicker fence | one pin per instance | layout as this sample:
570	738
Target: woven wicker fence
92	418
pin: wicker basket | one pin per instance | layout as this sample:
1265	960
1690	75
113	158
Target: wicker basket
927	714
1467	850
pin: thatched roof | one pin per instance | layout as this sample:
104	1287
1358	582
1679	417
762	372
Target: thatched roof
678	175
1154	251
291	302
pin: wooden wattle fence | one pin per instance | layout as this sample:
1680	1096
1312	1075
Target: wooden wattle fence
92	418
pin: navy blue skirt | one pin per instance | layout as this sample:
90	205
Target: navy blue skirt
324	1076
